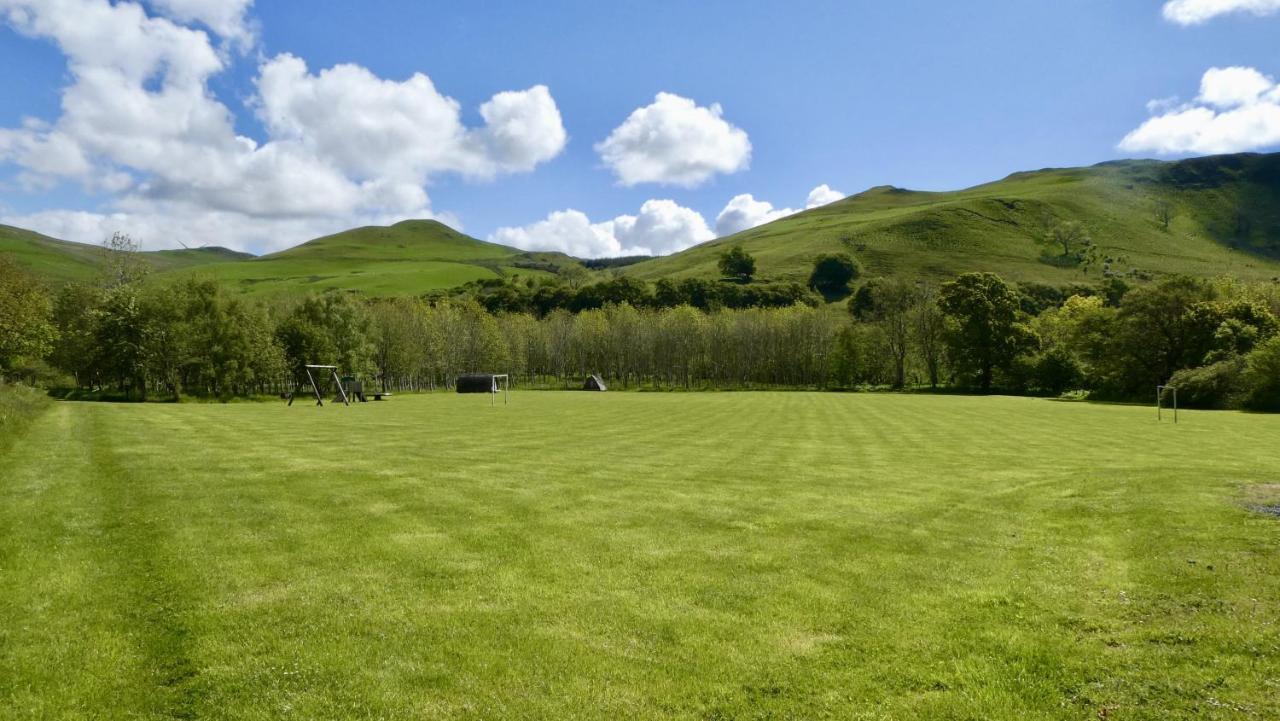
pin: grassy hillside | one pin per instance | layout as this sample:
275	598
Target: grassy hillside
406	258
61	261
1226	221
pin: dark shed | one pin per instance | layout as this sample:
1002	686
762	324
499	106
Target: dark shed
476	383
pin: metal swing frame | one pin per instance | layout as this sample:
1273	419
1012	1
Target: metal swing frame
333	372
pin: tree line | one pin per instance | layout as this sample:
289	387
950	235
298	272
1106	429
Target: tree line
1217	341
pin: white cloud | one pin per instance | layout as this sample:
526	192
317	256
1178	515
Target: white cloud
375	128
1233	87
744	212
823	195
224	17
1238	109
1194	12
661	227
674	141
140	123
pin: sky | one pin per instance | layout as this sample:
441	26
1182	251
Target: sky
595	128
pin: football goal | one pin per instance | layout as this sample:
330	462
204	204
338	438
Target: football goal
325	373
490	383
1166	396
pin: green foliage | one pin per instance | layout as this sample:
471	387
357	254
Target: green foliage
1212	386
737	264
25	328
1260	386
832	273
987	331
1156	334
326	330
1066	241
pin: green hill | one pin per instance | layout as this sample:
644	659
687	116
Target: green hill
61	261
1226	220
407	258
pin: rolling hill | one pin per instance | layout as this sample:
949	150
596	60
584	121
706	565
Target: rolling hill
61	261
1226	220
406	258
410	257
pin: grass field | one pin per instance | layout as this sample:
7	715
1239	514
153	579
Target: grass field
640	555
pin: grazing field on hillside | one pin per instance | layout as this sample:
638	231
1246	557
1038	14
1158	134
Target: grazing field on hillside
1224	219
640	555
408	258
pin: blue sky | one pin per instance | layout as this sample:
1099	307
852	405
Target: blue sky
138	109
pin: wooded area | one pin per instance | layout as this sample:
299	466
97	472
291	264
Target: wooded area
1216	341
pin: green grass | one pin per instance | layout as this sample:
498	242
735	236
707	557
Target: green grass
1227	222
407	258
61	261
992	227
642	555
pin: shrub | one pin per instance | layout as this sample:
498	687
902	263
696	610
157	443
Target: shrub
1260	386
832	274
1054	372
1211	386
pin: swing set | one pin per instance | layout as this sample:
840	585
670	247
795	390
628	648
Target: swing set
315	387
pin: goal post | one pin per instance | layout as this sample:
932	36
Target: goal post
1161	392
506	389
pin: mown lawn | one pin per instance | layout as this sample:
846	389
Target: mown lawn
573	555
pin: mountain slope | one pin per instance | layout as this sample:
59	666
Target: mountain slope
61	261
407	258
1226	221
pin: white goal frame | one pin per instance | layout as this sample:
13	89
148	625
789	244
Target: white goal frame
1160	402
506	390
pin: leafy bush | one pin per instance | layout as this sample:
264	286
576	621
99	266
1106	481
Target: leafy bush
1260	386
1211	386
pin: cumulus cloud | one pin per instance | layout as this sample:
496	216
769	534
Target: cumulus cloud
224	17
823	195
1238	109
661	227
139	122
744	212
1194	12
376	128
674	141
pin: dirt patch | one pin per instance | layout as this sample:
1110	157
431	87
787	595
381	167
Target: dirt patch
1263	498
